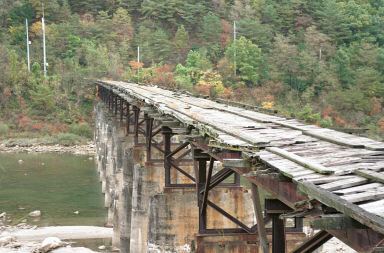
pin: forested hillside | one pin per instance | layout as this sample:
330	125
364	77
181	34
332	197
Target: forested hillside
318	60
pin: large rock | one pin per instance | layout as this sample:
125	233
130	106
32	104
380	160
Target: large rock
73	250
36	213
50	243
5	240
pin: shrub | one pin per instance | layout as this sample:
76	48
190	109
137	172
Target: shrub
21	142
82	129
68	139
3	128
326	122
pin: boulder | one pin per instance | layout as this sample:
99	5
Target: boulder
50	243
5	240
36	213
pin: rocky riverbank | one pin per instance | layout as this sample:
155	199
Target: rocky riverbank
87	149
31	239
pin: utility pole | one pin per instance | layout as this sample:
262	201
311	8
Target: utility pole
320	54
45	56
234	42
26	29
138	65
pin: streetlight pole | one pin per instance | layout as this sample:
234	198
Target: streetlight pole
44	50
28	60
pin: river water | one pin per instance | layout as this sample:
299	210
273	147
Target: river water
56	184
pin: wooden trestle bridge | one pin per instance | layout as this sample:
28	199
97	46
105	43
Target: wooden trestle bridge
333	179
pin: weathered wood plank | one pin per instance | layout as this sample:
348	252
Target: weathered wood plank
328	179
343	183
372	175
357	189
372	194
371	220
300	160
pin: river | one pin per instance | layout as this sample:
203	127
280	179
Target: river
59	185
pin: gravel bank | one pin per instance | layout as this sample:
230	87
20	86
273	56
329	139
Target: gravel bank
88	149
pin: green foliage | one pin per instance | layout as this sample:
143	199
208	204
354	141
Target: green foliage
82	129
326	53
42	99
68	139
4	129
248	59
211	29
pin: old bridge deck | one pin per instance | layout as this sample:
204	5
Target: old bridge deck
340	171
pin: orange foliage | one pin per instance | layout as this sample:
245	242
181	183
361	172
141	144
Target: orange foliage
228	93
55	128
37	126
203	88
136	65
268	92
376	108
340	121
329	112
24	122
381	124
225	36
163	76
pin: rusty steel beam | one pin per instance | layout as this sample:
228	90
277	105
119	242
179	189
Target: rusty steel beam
205	195
278	234
287	192
259	217
167	134
314	242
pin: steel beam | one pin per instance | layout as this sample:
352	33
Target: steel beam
314	242
167	134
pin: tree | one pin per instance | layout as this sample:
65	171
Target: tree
333	22
192	12
248	59
162	10
211	29
180	43
260	34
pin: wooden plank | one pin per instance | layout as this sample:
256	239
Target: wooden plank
328	179
373	205
332	200
345	183
357	189
372	175
331	137
300	160
372	194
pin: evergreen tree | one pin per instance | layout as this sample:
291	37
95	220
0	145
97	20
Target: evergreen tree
333	22
180	43
211	29
248	59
